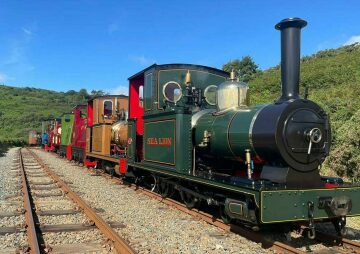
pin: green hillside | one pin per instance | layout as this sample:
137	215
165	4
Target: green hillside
333	79
23	109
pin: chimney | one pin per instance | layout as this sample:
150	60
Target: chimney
290	56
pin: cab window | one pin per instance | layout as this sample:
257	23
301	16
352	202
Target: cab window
108	109
141	96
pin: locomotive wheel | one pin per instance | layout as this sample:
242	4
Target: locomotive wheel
226	218
340	227
189	200
153	182
165	189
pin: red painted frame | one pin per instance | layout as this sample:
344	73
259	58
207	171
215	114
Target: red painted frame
79	130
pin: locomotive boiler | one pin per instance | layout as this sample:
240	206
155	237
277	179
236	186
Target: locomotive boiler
119	133
287	140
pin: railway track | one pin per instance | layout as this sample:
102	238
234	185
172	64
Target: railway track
46	196
349	245
335	244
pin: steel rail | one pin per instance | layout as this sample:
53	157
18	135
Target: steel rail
121	246
34	247
277	246
337	240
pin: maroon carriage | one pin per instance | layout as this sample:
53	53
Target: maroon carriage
78	142
54	135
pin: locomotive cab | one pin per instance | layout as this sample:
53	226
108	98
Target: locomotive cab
106	131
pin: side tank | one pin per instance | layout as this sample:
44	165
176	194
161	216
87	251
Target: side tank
119	134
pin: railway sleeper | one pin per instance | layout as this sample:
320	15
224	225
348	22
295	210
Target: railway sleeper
57	212
11	214
57	228
75	247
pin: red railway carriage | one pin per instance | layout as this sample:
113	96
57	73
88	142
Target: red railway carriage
54	134
78	142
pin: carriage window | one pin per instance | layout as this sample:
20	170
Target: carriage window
210	94
83	113
141	96
108	109
172	91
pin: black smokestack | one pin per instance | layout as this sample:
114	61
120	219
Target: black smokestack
290	56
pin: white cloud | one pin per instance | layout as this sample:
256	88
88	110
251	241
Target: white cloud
122	89
27	31
113	27
142	60
3	77
352	40
17	56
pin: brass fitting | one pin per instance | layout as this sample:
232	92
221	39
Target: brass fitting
206	139
232	75
188	78
248	162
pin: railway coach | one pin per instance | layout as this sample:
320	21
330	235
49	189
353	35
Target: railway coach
52	134
78	141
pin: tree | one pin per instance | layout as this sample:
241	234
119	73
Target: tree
244	68
95	93
71	92
83	94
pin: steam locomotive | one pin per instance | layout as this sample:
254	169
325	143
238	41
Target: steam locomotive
191	129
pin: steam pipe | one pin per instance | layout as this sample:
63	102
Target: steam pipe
290	56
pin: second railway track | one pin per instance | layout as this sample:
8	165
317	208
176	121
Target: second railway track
57	220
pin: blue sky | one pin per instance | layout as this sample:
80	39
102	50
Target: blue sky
63	45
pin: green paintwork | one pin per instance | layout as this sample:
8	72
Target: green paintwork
162	128
160	140
184	143
67	124
229	132
291	205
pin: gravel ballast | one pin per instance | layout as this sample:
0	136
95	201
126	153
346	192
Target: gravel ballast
10	201
150	226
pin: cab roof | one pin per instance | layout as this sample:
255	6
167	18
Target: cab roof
180	66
